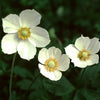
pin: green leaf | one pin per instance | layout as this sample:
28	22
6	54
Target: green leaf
78	96
34	96
38	91
3	65
37	84
38	95
97	26
92	71
58	88
13	95
66	96
87	94
91	94
24	84
22	72
91	75
1	72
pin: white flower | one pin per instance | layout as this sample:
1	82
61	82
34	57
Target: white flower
83	53
52	62
24	34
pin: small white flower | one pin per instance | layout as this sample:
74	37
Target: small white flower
24	34
52	62
83	53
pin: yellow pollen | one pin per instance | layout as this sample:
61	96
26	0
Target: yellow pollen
24	33
84	55
51	65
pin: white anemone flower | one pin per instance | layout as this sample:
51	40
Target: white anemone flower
83	53
23	34
52	63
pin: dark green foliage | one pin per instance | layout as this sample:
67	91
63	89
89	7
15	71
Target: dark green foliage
58	88
22	72
65	21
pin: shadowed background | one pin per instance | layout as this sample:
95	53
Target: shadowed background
65	21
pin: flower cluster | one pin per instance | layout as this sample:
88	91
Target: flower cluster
24	36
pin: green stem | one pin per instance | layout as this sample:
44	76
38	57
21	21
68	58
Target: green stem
31	85
79	82
60	43
11	75
32	82
82	74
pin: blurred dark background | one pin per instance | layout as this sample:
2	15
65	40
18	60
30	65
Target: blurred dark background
65	21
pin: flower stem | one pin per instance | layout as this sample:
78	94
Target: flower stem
79	82
82	74
31	85
11	75
32	82
60	43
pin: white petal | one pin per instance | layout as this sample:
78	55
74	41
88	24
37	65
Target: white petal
79	63
57	75
9	43
63	63
54	52
82	43
94	59
40	37
43	55
71	51
29	18
11	23
26	50
54	76
94	46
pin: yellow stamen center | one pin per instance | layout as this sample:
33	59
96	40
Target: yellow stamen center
84	55
51	65
24	33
